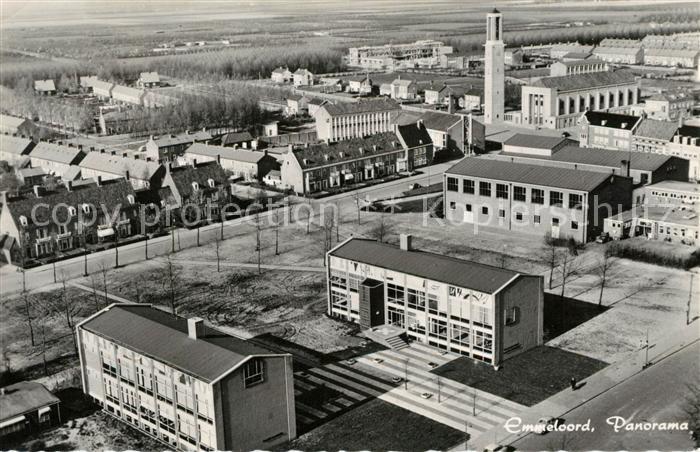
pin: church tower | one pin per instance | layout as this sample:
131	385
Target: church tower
494	77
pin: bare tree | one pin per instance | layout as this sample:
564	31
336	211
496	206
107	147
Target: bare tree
28	315
605	264
217	250
551	256
258	244
358	203
93	282
569	267
277	232
67	308
382	229
104	270
170	280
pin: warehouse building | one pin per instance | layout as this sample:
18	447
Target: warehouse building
486	313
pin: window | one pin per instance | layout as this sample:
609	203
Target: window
395	294
519	193
537	196
130	199
555	221
452	184
512	315
536	219
575	201
574	225
467	207
502	191
485	188
468	186
501	213
556	198
195	186
485	210
453	205
211	183
253	373
71	211
23	220
416	299
518	216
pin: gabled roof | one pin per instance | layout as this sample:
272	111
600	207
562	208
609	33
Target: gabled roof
586	81
439	121
611	120
688	187
578	55
119	165
44	85
87	81
15	145
280	70
616	42
11	122
656	129
302	72
402	82
126	91
183	177
110	194
31	172
236	138
182	138
436	267
364	106
525	173
163	337
101	84
226	153
413	135
56	153
377	144
676	53
534	141
671	96
24	397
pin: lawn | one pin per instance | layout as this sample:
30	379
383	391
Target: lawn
564	314
380	426
528	378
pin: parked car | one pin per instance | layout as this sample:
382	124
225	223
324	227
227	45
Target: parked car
603	238
544	423
414	186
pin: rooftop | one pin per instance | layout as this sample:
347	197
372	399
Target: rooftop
7	121
436	267
149	77
117	164
577	55
586	81
163	337
689	131
226	153
677	215
182	138
678	53
324	154
24	397
528	173
183	176
616	50
15	145
236	138
534	141
688	187
56	152
433	120
368	106
581	62
656	129
44	85
126	91
611	120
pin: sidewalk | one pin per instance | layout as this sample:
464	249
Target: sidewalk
594	386
224	263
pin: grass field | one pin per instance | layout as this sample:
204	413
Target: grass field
379	426
527	378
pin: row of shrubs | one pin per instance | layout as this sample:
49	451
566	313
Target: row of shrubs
654	256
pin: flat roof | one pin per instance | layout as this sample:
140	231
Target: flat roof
450	270
526	173
680	215
163	337
534	141
23	397
688	187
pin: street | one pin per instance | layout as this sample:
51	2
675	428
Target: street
654	395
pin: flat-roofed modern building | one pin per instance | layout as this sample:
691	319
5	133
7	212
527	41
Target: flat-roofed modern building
533	199
486	313
607	130
675	225
345	120
186	384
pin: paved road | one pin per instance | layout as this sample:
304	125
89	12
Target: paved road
654	395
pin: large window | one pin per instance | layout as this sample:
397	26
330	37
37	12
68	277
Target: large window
416	299
253	372
485	188
575	201
338	279
556	198
437	328
482	341
395	294
459	335
483	315
519	193
537	196
452	184
502	191
468	186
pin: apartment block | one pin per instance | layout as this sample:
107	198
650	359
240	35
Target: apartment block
486	313
183	383
342	121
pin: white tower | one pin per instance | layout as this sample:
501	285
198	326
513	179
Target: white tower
494	77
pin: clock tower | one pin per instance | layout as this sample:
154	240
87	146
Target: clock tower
494	77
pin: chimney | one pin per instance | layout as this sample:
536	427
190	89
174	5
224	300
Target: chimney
169	166
69	185
99	181
624	168
265	152
187	132
405	242
195	328
126	174
218	158
419	123
92	148
290	148
194	163
38	191
136	156
113	152
125	154
102	151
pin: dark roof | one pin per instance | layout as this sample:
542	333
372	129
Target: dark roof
577	55
643	161
186	137
239	155
183	177
612	120
109	195
24	397
351	149
534	141
367	106
163	337
656	129
236	138
585	81
414	135
439	121
528	173
689	131
449	270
